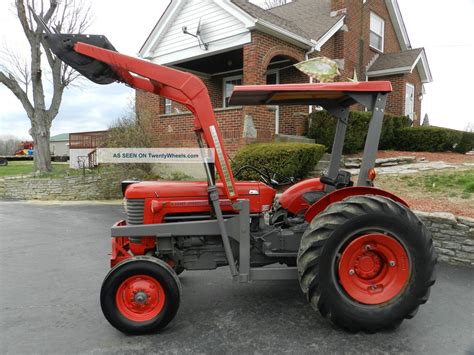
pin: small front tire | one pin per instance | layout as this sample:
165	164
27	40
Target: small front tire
140	295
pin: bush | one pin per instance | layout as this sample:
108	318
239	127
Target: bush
130	132
126	132
466	144
289	159
434	139
323	128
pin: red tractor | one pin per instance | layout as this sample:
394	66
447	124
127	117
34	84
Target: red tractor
362	257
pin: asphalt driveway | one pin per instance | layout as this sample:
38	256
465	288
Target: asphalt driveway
53	259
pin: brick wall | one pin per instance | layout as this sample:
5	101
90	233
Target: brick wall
354	42
257	56
293	118
177	129
353	46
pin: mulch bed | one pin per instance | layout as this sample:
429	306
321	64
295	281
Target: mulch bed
422	201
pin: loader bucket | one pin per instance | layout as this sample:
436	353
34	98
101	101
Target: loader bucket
62	45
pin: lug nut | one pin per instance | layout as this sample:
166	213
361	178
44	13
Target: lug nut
351	272
392	263
373	287
368	247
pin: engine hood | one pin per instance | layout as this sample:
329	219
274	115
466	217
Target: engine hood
191	189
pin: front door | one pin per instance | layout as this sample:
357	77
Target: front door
410	100
273	77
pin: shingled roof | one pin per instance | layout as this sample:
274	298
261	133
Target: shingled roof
261	14
309	19
400	60
313	17
401	63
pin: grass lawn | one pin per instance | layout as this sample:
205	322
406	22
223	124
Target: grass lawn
442	190
452	184
15	168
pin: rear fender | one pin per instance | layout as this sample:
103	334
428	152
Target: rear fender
341	194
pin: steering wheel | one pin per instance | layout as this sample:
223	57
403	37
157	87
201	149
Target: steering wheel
267	176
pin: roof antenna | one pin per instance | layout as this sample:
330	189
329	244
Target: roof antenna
203	45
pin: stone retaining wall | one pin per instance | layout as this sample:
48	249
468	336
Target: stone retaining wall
64	189
453	236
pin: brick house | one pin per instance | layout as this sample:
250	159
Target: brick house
241	43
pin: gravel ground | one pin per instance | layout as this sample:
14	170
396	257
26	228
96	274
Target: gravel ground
54	258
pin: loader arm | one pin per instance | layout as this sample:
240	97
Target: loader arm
187	89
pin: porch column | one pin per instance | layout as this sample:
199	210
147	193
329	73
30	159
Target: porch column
259	122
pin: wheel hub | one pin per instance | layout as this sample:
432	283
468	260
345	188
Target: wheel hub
373	268
141	297
368	265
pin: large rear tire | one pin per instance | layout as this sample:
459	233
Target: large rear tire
366	263
140	295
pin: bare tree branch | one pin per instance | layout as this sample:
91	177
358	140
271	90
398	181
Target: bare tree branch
11	83
71	16
17	66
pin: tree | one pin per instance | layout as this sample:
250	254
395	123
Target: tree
426	120
268	4
8	144
26	79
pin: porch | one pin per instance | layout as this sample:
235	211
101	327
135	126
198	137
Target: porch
258	62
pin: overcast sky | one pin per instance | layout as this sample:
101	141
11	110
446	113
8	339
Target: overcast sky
443	28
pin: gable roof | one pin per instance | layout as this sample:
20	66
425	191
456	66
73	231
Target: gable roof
312	17
401	63
398	24
317	28
261	14
309	19
60	137
404	59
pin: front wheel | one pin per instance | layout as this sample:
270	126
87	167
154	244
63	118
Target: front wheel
140	295
366	263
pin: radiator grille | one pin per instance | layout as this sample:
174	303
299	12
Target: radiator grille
135	207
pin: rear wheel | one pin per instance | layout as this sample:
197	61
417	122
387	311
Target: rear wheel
140	295
366	263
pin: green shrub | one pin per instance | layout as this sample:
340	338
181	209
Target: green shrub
466	143
323	128
289	159
433	139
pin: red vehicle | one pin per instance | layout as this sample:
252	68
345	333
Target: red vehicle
362	257
26	149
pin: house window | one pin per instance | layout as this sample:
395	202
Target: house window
168	106
228	86
377	26
410	100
